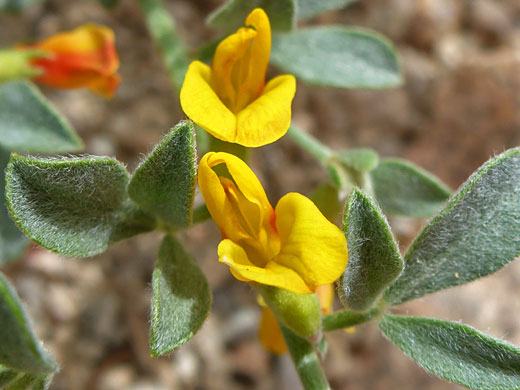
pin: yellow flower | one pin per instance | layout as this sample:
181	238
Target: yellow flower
269	331
230	100
293	247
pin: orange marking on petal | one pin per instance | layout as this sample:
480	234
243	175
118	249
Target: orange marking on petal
84	57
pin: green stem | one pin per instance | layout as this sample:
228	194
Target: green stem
163	31
200	214
345	319
306	361
320	151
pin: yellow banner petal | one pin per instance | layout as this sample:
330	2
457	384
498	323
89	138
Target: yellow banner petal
261	47
230	67
258	59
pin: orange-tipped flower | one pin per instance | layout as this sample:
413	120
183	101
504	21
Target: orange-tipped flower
84	57
230	100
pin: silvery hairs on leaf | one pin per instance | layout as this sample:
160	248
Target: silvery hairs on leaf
476	234
74	206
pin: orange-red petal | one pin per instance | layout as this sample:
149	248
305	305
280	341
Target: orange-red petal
84	57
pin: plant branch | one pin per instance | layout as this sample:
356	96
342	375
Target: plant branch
345	319
306	361
320	151
163	31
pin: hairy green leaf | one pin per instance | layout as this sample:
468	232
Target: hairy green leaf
326	198
346	318
336	56
475	235
16	380
281	13
404	189
181	298
110	4
232	14
28	381
12	240
362	159
374	260
164	184
7	375
456	352
73	206
16	5
20	350
28	123
309	8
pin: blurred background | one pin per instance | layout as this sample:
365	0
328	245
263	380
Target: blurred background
459	105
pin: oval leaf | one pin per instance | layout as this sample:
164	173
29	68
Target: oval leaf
326	198
16	380
404	189
181	298
164	183
109	4
28	122
20	350
475	235
73	206
309	8
16	5
455	352
281	13
7	376
362	159
337	57
12	240
232	14
374	260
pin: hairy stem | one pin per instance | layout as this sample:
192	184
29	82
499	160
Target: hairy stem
345	319
306	361
320	151
163	31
